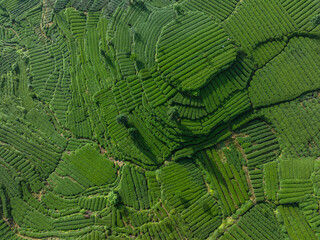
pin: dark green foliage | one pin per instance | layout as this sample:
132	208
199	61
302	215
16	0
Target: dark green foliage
292	216
298	131
302	13
228	184
84	168
133	132
217	9
133	188
309	207
122	119
6	232
261	146
258	223
113	198
4	203
178	9
94	203
173	113
234	157
159	119
294	67
315	21
270	171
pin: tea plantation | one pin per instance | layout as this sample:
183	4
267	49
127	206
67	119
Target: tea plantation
160	119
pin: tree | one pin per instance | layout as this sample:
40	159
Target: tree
133	132
173	113
131	2
315	21
122	119
113	198
178	9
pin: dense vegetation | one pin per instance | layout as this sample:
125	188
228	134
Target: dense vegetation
160	119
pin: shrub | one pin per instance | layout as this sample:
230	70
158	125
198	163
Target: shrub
122	119
178	9
315	21
133	132
173	113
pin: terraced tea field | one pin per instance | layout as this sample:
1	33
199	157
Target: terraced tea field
160	119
